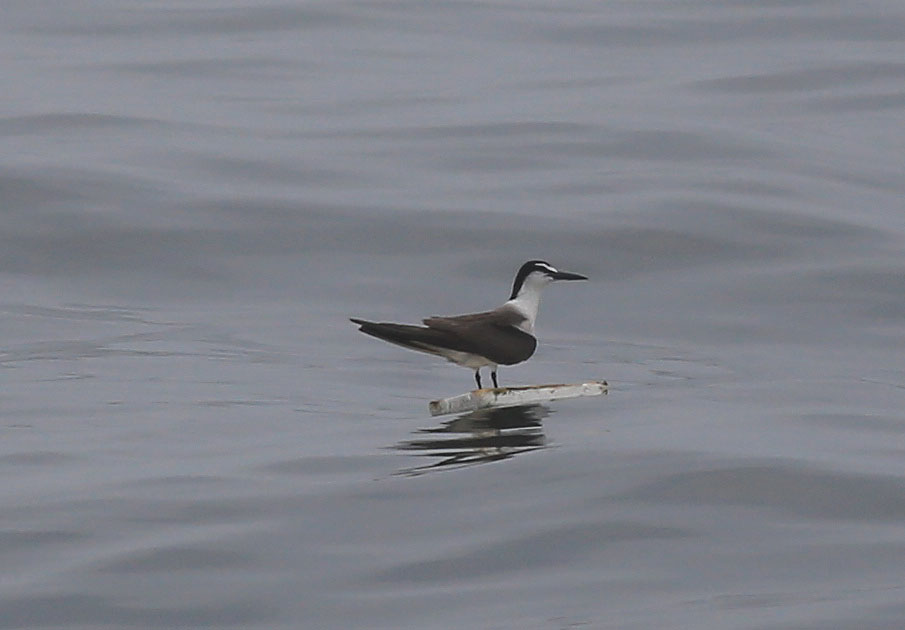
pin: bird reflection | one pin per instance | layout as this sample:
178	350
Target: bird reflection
482	436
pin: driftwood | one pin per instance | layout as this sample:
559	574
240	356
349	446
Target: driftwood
511	396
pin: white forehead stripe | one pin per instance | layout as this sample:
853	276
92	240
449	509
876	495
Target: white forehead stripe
546	268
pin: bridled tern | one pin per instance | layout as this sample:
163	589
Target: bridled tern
503	336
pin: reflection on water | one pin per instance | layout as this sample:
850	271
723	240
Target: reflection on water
195	198
485	435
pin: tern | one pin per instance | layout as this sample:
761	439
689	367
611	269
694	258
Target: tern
503	336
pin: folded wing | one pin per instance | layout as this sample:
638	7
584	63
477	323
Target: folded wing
492	334
414	337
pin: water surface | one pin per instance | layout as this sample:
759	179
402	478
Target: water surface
195	196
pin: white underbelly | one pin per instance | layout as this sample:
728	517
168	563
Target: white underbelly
472	361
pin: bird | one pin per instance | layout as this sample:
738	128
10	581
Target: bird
503	336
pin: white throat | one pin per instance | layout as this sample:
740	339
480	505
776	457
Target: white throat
527	302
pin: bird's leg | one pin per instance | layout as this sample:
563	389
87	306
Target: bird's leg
477	377
493	376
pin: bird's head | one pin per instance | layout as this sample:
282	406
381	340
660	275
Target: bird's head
535	274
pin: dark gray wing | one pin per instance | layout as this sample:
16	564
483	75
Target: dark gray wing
492	334
418	338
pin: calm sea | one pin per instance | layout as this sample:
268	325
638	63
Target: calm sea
195	195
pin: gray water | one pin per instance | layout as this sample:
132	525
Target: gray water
196	195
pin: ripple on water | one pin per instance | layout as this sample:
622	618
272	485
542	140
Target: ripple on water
803	492
542	550
68	610
180	558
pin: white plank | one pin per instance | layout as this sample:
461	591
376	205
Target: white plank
510	396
